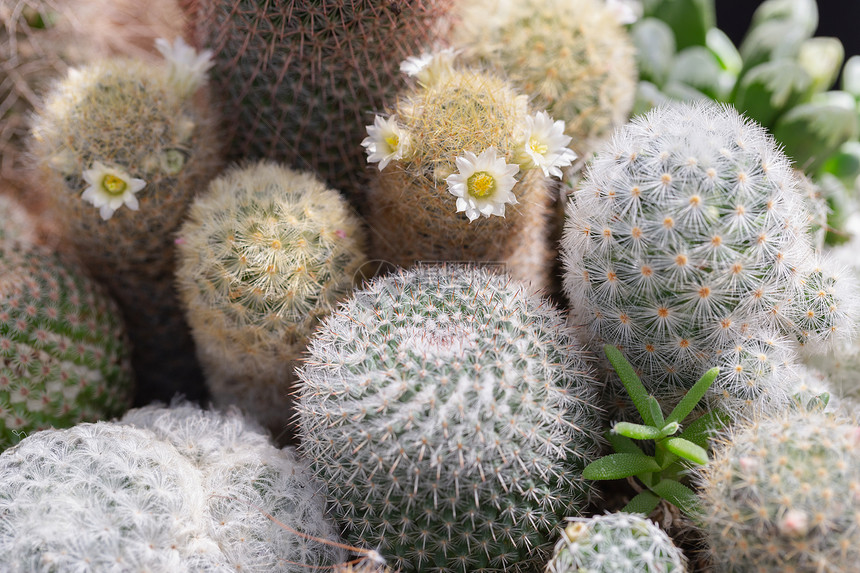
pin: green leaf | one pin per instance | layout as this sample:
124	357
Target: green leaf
687	450
656	412
704	427
637	392
822	59
689	19
697	67
618	466
812	132
724	50
693	395
678	494
845	163
637	431
669	429
851	76
771	88
624	445
655	49
643	503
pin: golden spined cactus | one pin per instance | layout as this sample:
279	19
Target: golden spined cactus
572	57
122	146
463	168
265	253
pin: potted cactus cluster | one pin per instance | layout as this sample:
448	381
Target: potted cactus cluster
430	285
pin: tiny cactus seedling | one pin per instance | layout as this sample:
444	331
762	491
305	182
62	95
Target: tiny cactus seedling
122	146
687	246
263	255
781	494
451	413
572	57
661	472
463	172
64	354
299	77
180	490
615	543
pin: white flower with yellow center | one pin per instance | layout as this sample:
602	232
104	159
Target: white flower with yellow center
385	141
545	145
110	188
429	68
483	184
188	69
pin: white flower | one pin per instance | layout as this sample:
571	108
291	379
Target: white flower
110	188
625	11
429	68
483	184
545	144
187	67
385	141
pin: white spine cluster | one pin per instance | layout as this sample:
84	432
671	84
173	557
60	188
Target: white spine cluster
179	490
615	543
687	246
451	414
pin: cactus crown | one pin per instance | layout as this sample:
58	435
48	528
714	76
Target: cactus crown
789	486
687	246
65	355
615	543
443	406
180	490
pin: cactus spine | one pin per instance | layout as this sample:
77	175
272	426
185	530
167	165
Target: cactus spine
451	414
264	254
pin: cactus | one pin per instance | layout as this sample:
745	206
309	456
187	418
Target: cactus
615	543
299	77
781	495
451	413
65	355
264	254
162	490
687	246
572	57
15	223
455	123
123	146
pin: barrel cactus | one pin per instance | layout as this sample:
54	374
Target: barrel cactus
64	349
573	58
122	146
164	490
463	167
615	543
687	246
781	495
451	413
264	254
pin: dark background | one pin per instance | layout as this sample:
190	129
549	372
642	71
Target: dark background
840	18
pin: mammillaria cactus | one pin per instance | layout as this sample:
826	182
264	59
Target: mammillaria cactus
299	77
615	543
264	254
462	172
781	494
163	490
64	355
451	414
687	246
15	223
573	57
122	147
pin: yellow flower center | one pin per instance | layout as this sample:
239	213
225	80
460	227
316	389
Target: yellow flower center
537	146
481	184
393	141
113	184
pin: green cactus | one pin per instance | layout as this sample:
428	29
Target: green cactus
781	495
299	77
572	57
122	146
688	246
615	543
64	354
460	185
451	414
178	489
263	255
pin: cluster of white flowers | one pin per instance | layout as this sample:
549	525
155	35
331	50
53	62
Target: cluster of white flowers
429	68
188	68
